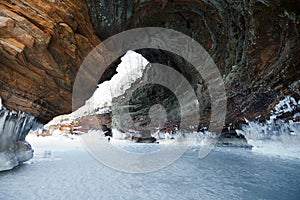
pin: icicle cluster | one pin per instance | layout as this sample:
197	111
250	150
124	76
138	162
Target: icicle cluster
14	126
280	137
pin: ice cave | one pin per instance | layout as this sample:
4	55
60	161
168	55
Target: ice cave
149	99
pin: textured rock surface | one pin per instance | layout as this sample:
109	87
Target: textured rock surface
90	122
255	44
42	45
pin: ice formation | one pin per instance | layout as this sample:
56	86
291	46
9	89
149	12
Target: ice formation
14	126
276	136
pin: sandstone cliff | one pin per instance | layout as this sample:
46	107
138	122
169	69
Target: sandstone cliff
255	45
42	45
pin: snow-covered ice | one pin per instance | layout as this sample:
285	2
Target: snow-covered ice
63	169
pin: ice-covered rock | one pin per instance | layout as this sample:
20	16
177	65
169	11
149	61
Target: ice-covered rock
21	152
288	104
277	137
14	126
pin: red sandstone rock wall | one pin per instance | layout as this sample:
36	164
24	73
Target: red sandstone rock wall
42	45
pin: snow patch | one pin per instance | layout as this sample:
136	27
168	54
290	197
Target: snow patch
61	119
103	111
118	134
288	104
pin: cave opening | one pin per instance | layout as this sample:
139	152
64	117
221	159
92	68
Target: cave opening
129	68
254	44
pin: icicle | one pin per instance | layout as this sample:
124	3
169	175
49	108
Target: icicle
3	116
14	126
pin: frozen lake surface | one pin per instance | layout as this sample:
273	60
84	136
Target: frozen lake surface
63	169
